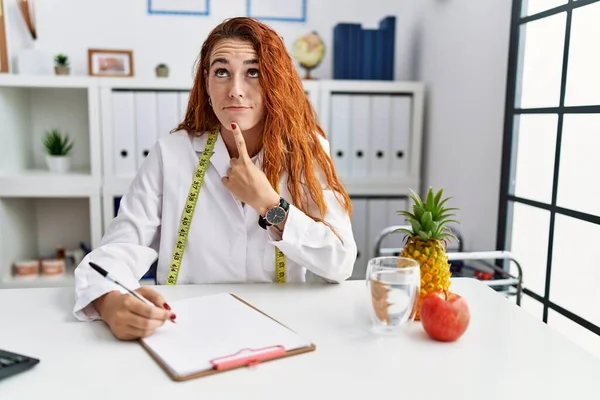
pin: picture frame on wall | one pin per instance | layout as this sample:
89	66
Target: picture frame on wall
277	10
110	63
4	59
179	7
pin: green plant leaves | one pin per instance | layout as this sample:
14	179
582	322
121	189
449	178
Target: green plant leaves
56	143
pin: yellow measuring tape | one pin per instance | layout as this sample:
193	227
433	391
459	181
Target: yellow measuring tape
188	212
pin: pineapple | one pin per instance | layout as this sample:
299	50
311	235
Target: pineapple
427	241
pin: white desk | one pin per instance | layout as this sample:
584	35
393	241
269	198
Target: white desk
505	353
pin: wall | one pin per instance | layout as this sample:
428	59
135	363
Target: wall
459	48
73	26
461	53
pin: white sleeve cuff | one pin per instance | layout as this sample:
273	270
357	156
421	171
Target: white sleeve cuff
296	227
314	246
84	310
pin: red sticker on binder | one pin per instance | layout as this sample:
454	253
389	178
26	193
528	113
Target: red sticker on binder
247	357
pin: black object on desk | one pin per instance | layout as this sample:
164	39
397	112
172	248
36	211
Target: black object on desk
12	363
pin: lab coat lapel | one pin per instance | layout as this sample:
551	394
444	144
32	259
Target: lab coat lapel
220	158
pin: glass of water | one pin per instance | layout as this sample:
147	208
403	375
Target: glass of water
394	284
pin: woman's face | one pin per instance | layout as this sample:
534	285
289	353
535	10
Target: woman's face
233	85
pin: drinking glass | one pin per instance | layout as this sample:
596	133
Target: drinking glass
394	284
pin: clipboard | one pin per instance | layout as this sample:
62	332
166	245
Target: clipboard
242	357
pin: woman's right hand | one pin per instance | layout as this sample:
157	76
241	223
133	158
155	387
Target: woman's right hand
128	317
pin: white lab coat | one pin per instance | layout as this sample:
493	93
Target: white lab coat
225	242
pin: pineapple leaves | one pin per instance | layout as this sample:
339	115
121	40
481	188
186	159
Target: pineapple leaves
430	205
419	211
435	226
415	197
417	227
438	196
427	220
407	214
409	233
447	221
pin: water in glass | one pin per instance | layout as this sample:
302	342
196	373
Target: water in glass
394	285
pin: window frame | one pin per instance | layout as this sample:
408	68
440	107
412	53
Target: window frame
515	59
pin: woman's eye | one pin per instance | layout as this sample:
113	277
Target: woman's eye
221	72
253	73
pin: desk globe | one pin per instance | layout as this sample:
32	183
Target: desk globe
309	51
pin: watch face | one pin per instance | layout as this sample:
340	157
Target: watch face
275	215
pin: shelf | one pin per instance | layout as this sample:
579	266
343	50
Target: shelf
41	183
65	280
177	84
117	186
380	187
45	81
355	187
358	86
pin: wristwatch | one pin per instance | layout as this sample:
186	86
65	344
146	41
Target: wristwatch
274	215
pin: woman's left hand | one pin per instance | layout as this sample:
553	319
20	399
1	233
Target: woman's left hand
246	181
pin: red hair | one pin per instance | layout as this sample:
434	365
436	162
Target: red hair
290	139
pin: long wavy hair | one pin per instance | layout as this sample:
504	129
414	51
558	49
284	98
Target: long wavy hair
290	131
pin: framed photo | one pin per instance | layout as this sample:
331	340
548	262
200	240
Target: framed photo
277	10
112	63
179	7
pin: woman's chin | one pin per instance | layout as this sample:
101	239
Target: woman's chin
243	123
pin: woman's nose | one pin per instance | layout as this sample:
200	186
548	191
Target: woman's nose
237	88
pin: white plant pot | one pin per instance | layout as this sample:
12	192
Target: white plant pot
59	164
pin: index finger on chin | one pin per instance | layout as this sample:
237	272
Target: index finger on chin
239	141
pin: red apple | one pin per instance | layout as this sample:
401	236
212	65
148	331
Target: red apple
445	317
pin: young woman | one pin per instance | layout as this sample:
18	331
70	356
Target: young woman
243	190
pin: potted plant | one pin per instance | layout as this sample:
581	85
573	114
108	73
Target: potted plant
61	64
162	70
58	148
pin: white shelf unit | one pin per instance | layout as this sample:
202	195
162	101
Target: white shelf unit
121	101
130	128
375	134
40	210
375	129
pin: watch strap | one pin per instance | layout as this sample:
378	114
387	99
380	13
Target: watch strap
263	223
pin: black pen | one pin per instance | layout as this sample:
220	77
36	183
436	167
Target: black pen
111	278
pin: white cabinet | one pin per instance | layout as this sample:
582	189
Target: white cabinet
41	210
374	128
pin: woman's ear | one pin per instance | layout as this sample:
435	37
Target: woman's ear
206	79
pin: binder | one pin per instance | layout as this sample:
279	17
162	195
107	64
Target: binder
124	133
219	333
167	112
340	133
360	115
369	60
379	165
401	133
183	104
388	27
378	220
146	124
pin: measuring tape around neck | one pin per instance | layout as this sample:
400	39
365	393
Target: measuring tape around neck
188	212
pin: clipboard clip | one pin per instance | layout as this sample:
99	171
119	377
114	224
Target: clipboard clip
254	357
